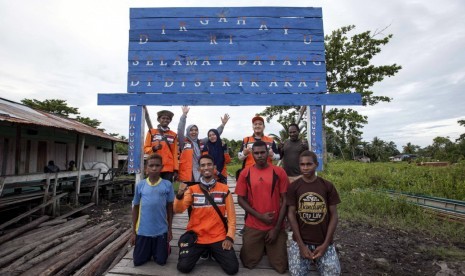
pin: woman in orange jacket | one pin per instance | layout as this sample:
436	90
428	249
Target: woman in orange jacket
191	147
219	151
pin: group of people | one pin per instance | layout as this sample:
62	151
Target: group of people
269	195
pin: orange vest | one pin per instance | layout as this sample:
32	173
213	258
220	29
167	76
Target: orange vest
185	161
168	151
248	142
204	220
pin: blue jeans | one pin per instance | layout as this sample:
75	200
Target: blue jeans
327	265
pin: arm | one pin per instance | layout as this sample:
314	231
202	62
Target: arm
266	218
275	150
148	143
135	217
231	214
169	216
224	121
304	251
182	126
243	152
183	199
273	233
333	219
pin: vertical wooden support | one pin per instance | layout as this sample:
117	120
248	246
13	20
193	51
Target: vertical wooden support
136	141
54	206
46	188
316	133
95	192
78	182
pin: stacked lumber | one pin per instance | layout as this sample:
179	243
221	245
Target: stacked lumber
61	246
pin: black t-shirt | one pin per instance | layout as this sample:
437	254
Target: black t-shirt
312	201
290	156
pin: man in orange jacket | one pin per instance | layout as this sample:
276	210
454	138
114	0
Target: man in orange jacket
164	142
213	232
244	154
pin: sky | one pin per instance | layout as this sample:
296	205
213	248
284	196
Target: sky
74	50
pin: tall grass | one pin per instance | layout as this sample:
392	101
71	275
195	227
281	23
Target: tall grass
447	182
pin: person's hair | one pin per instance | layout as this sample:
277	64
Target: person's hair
258	143
295	125
154	156
207	156
309	154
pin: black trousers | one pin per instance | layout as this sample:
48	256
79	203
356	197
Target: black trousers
227	259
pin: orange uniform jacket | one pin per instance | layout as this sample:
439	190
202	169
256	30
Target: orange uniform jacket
185	161
248	142
169	151
204	220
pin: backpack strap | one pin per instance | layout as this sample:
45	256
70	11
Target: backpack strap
212	203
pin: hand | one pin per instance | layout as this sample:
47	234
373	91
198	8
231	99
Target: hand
157	147
270	153
280	146
227	245
132	240
182	188
175	176
305	252
170	235
271	235
185	109
319	251
225	119
246	151
267	217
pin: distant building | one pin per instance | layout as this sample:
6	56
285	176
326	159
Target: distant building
363	159
29	138
402	157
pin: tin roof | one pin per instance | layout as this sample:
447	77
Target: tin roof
21	114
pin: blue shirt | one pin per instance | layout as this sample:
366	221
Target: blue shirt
152	199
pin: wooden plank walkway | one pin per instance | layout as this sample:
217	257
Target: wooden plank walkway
203	267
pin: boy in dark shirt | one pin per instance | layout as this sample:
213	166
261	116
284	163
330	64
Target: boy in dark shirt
312	215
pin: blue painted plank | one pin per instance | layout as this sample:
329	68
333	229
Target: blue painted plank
260	24
172	67
134	140
220	87
221	76
185	55
316	133
207	99
226	11
158	35
225	46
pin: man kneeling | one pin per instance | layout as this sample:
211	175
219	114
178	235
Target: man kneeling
206	229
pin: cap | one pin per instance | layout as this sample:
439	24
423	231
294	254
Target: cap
257	118
165	113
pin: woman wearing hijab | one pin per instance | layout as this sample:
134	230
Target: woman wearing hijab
219	151
191	147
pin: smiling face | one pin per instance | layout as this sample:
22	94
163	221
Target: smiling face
206	168
212	137
258	127
164	120
194	132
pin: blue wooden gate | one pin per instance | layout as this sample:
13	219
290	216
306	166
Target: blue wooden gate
225	56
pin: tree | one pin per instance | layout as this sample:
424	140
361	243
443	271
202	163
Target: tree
55	106
462	136
409	148
60	107
120	148
348	69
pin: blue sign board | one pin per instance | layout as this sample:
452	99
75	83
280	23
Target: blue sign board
238	56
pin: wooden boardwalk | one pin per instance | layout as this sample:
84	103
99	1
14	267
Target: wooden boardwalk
203	267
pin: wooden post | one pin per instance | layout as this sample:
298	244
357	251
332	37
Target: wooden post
78	182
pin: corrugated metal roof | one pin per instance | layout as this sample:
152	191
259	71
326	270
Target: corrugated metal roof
18	113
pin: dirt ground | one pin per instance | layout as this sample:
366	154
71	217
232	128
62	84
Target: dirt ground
362	249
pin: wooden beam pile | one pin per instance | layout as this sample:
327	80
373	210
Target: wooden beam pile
61	247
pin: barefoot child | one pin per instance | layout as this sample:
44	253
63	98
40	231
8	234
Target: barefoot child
152	215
